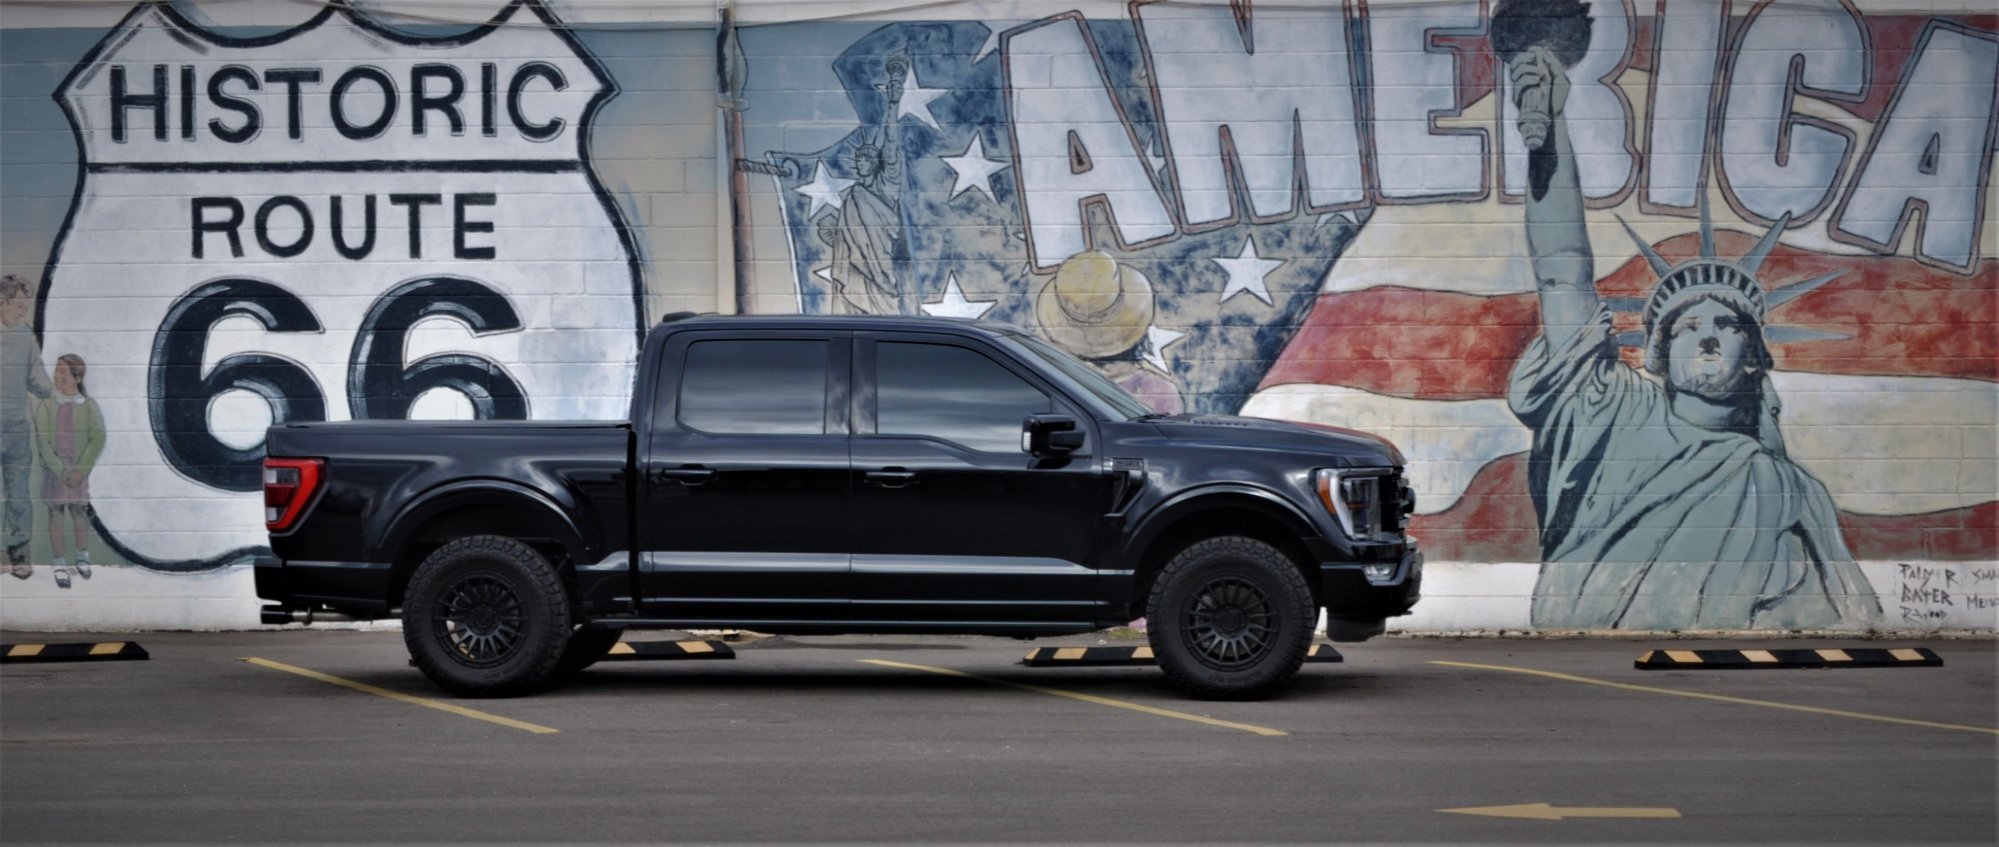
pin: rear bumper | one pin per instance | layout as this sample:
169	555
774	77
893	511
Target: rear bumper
1358	604
355	589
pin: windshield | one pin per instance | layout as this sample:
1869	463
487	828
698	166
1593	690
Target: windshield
1083	376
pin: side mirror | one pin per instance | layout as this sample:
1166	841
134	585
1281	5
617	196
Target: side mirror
1050	435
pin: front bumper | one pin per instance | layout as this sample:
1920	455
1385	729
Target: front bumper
1358	606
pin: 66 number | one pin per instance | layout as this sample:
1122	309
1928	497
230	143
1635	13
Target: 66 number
379	384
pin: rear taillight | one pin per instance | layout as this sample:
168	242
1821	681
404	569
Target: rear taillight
288	488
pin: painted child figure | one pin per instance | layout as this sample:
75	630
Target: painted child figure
69	437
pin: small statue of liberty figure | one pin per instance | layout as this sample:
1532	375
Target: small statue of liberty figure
866	234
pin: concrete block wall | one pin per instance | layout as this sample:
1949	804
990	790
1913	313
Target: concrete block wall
1375	216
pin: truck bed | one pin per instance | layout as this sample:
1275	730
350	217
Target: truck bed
379	474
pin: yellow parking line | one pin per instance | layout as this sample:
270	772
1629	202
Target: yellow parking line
1721	698
474	714
1087	698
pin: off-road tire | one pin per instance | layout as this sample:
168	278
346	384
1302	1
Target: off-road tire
586	647
1217	654
486	616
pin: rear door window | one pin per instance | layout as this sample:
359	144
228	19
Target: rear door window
755	387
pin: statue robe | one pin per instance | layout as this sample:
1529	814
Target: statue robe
1651	522
869	229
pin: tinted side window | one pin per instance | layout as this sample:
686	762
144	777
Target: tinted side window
951	393
765	387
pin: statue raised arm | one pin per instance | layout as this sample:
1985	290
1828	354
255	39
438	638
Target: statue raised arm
1539	40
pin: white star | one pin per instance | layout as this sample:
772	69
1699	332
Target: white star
954	304
973	169
824	189
1156	342
916	97
993	31
1246	272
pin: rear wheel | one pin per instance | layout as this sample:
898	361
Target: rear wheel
486	617
1230	618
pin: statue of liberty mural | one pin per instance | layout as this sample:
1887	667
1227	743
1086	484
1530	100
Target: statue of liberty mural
1666	499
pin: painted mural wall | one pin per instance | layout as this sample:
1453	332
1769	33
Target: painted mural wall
1686	312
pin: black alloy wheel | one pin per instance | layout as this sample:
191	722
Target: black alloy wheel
1230	618
481	618
1230	623
487	616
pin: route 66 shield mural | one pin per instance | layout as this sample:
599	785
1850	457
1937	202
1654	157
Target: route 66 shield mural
338	221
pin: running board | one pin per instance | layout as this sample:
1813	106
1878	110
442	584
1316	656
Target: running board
1099	657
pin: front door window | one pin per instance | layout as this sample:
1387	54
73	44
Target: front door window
953	394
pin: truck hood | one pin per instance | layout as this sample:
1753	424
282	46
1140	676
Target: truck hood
1355	448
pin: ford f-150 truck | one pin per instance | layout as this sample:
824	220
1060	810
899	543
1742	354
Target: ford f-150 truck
820	475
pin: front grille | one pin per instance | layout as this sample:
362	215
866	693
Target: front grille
1397	502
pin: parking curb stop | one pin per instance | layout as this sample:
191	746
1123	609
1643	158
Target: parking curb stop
1829	657
102	651
1138	656
642	651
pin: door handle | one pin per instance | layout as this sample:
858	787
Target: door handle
684	476
890	478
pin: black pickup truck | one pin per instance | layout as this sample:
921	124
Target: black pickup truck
820	475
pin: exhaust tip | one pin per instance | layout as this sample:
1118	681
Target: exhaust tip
276	616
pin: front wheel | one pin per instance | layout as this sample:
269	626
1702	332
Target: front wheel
486	617
1230	618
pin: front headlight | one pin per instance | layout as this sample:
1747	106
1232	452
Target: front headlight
1354	497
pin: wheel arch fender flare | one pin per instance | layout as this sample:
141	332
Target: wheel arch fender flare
1214	497
539	515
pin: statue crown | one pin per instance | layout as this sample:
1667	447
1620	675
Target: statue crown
1710	276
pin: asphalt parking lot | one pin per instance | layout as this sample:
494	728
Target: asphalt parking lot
949	739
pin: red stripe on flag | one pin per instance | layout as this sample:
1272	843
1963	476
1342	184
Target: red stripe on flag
1958	535
1495	522
1406	342
1904	318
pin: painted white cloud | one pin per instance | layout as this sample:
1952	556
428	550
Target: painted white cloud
1446	441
